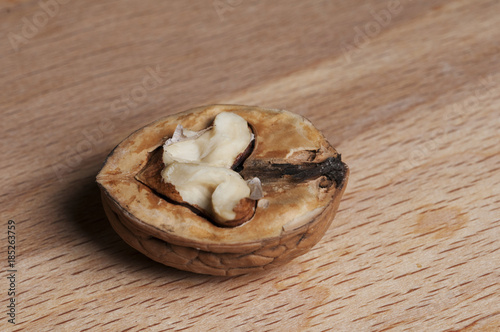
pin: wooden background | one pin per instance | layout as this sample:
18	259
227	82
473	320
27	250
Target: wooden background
407	91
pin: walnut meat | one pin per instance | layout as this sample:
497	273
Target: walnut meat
300	177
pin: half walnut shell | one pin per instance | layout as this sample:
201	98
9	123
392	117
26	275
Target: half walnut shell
303	179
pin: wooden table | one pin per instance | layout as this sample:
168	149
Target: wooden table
408	92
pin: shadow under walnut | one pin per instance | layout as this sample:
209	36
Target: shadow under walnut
303	179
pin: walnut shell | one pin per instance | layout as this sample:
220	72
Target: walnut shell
302	177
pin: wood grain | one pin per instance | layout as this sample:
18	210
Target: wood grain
412	105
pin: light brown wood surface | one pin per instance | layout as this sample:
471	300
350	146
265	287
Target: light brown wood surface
413	106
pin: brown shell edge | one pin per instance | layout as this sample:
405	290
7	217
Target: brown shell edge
219	261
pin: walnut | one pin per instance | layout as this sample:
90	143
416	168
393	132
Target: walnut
189	198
